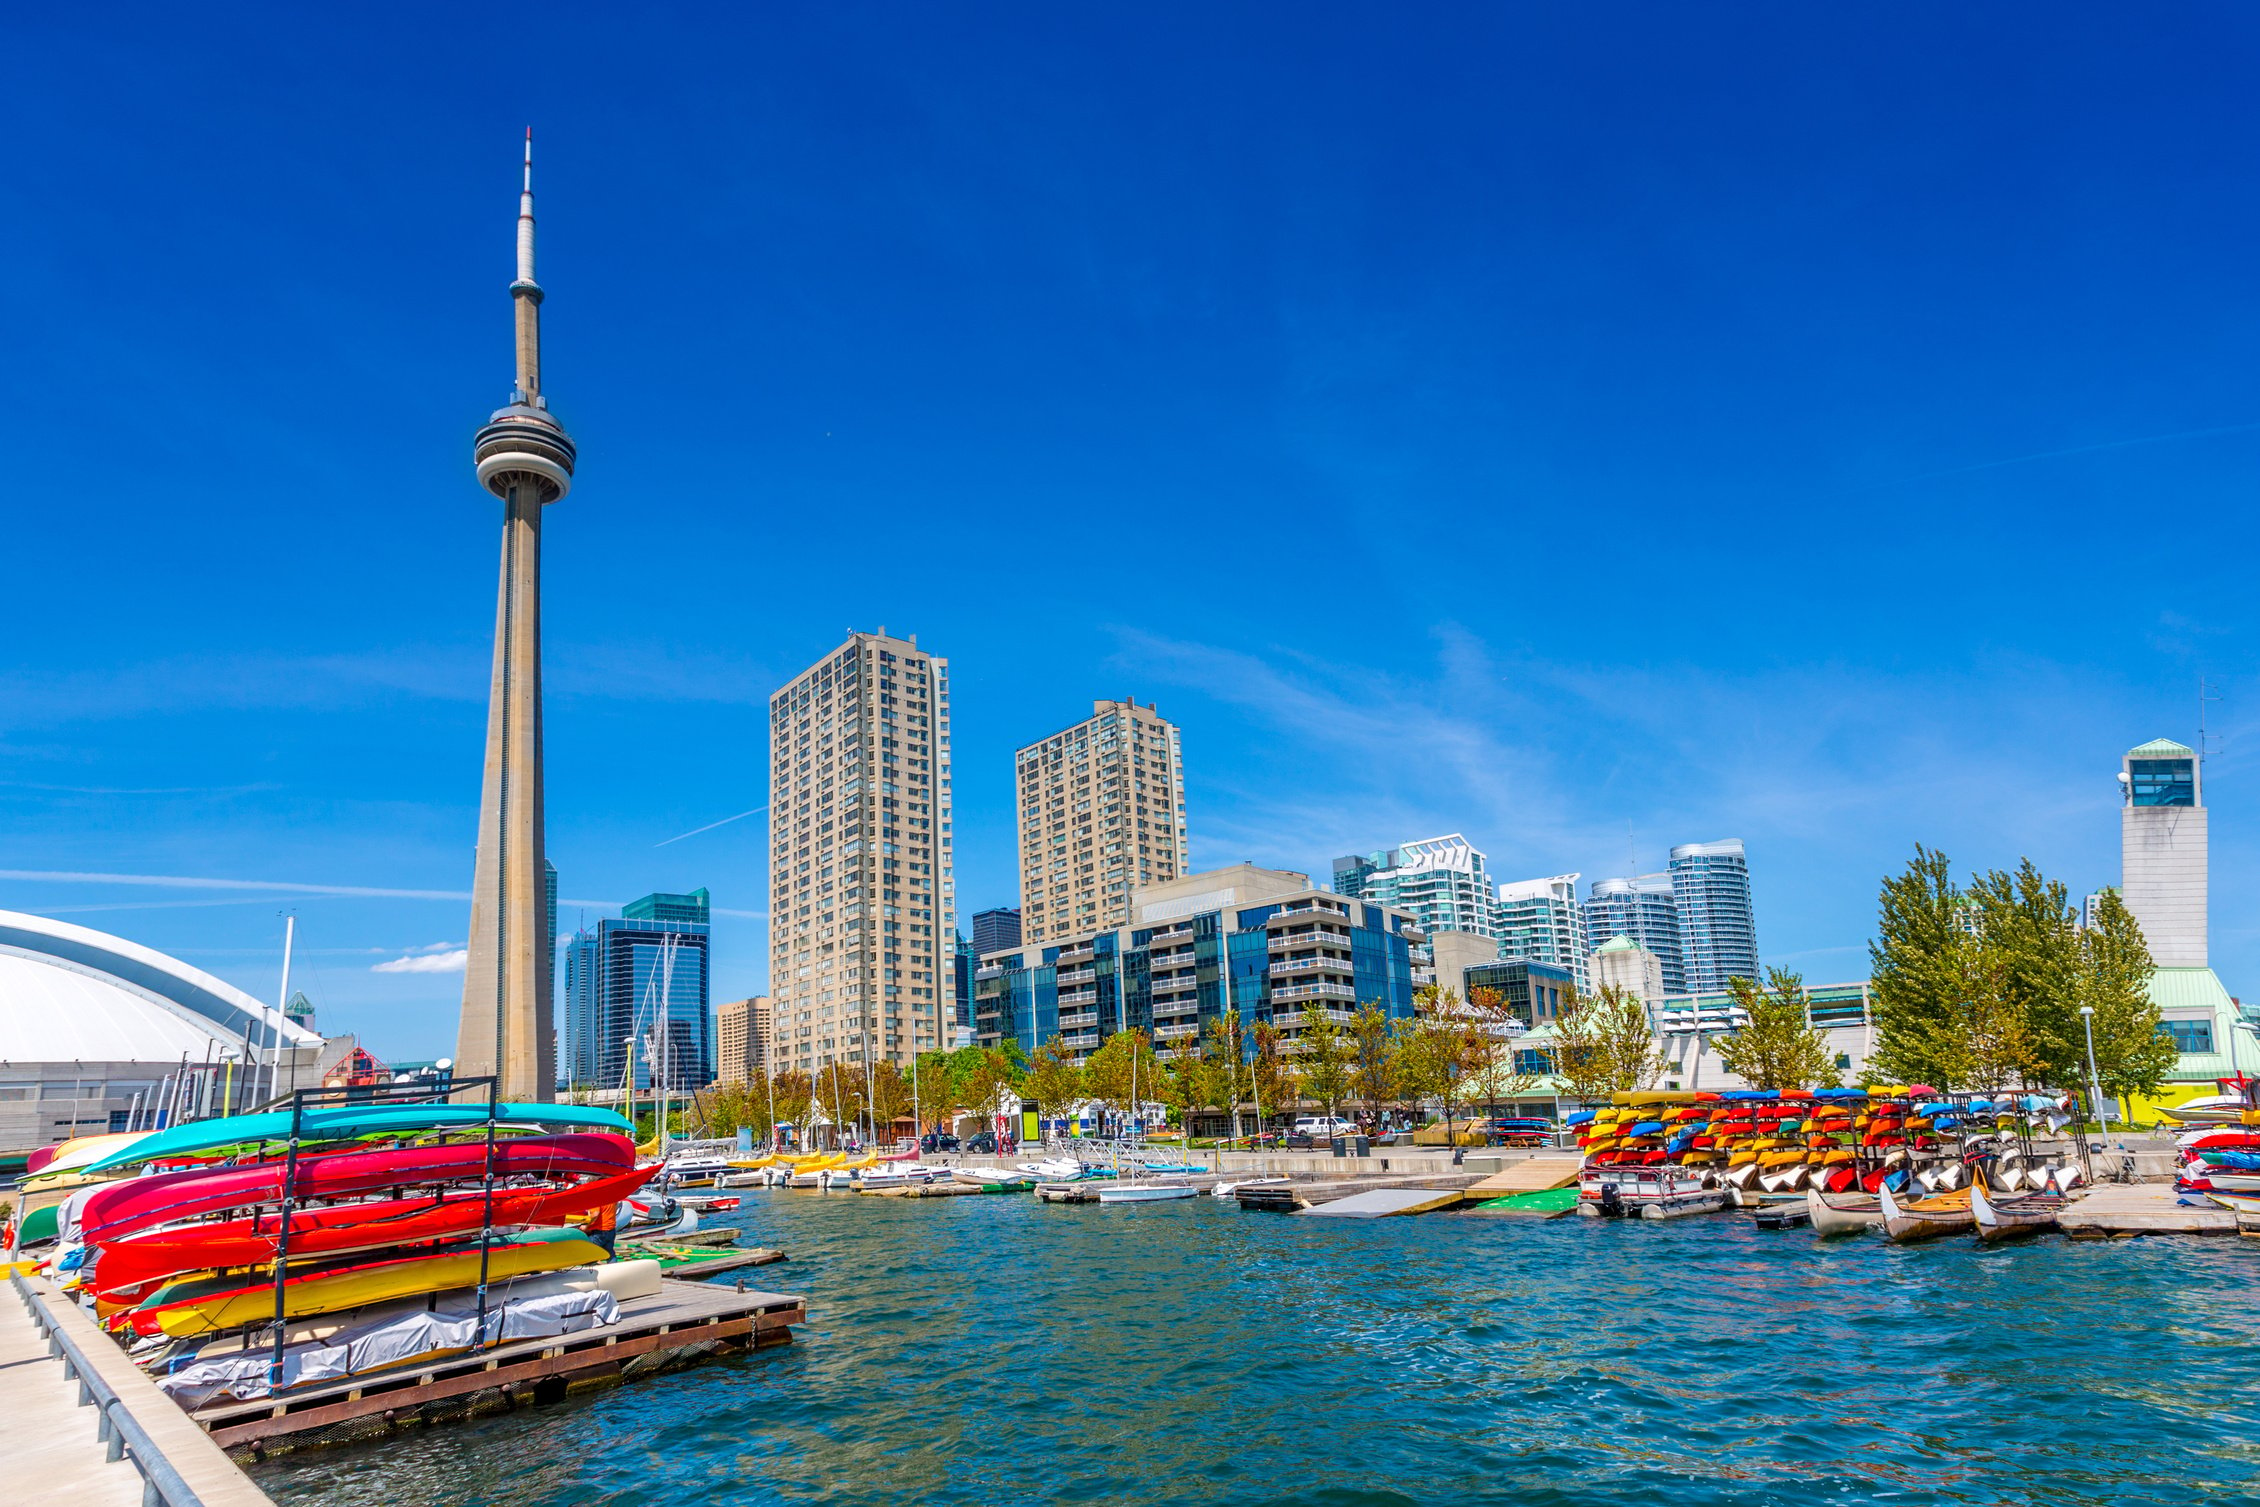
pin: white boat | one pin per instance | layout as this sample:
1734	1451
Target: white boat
994	1177
1665	1192
2214	1109
1056	1170
1140	1192
1843	1213
1925	1218
1228	1190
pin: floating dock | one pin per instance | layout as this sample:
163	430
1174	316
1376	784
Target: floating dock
682	1322
1381	1203
1536	1174
2109	1210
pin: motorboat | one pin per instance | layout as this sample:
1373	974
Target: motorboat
1232	1189
1659	1192
994	1177
1133	1191
1065	1169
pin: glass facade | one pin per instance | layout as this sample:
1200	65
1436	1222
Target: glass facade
1644	909
640	981
2162	782
1718	929
1534	992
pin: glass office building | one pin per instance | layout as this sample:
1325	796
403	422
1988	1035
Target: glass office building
641	978
1261	941
1643	908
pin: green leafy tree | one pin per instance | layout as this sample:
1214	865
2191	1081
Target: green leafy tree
1324	1053
795	1094
1778	1047
1921	967
2133	1053
1272	1075
889	1101
1495	1072
1604	1044
1372	1066
1194	1084
839	1097
1054	1081
1226	1049
1440	1050
1124	1074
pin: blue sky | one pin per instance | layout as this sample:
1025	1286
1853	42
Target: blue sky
1588	428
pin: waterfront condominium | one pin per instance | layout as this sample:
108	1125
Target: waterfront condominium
1718	930
861	894
741	1033
636	992
1540	921
1102	811
1640	907
1441	881
1263	942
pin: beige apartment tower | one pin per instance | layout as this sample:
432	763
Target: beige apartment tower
861	895
1102	812
741	1040
524	459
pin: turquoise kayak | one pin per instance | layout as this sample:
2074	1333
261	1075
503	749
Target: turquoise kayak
346	1122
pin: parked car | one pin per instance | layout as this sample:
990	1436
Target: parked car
1323	1126
981	1143
937	1140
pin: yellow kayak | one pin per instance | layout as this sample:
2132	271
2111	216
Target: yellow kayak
1741	1158
1782	1158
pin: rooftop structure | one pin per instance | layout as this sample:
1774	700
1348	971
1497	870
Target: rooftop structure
1540	920
1441	881
1643	908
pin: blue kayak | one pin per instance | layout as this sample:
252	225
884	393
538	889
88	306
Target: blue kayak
1578	1117
346	1122
1647	1127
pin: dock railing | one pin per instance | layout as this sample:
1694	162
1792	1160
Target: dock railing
117	1426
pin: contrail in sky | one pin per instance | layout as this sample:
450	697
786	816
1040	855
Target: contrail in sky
2019	460
710	826
189	882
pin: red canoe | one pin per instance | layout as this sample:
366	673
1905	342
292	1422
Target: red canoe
138	1203
130	1268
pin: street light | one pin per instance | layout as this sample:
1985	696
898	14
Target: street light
2095	1079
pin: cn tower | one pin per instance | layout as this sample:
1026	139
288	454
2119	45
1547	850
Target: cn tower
524	458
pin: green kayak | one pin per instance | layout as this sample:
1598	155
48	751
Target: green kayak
345	1122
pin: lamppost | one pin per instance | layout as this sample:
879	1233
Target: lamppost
2095	1079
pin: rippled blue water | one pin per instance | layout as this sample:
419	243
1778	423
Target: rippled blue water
993	1350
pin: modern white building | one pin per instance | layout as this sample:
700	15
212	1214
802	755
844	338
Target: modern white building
1642	907
100	1034
862	897
1540	921
1443	881
1101	813
2162	850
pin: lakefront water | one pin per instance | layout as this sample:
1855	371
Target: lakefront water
993	1350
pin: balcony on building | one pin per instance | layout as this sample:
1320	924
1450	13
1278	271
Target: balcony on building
1292	914
989	971
1320	936
1177	1032
1081	952
1070	998
1320	964
1320	989
1078	975
1079	1021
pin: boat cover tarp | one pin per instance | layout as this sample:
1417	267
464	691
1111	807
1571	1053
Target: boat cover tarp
388	1343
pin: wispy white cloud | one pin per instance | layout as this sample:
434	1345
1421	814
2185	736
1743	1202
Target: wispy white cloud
425	961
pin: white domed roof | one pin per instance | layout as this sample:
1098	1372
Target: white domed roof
70	993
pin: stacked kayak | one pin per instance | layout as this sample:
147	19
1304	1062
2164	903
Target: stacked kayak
184	1237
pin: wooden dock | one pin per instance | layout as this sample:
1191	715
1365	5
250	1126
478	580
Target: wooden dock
1537	1174
2110	1210
682	1322
1383	1203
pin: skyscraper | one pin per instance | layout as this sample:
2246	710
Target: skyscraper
1442	881
1640	907
741	1033
2162	850
1102	811
1540	921
1718	929
996	928
640	979
523	458
862	901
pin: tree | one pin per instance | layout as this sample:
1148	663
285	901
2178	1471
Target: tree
1604	1044
933	1083
839	1096
1124	1074
1227	1053
1438	1049
890	1100
1324	1053
1778	1047
1495	1069
1372	1074
1272	1077
1920	968
795	1094
2133	1053
1054	1080
1194	1084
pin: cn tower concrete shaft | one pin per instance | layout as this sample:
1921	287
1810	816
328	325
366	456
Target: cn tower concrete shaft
525	459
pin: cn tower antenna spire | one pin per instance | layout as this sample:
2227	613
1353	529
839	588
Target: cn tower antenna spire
525	293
